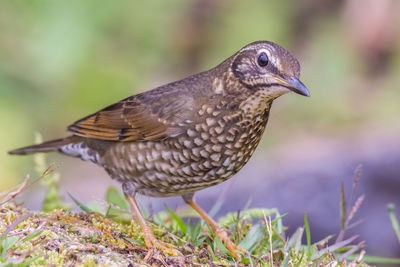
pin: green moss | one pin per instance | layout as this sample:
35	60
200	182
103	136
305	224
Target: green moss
90	239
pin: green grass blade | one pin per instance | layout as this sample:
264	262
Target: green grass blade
254	213
190	229
286	261
218	244
253	237
301	259
216	207
248	203
196	231
145	212
278	218
211	250
6	244
134	241
395	223
199	241
95	207
80	205
279	223
28	261
308	235
178	220
295	240
193	231
32	235
113	196
376	260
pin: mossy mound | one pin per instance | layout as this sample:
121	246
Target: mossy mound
82	239
64	238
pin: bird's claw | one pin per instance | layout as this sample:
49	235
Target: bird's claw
152	242
232	247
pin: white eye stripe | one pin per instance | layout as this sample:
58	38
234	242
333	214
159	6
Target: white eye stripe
266	51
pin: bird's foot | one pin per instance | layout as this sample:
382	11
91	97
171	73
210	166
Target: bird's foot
232	247
152	242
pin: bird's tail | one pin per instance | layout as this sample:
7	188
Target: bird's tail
52	145
73	146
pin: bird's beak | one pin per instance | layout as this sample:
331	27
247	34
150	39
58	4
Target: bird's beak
295	85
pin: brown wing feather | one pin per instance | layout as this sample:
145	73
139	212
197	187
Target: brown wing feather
149	116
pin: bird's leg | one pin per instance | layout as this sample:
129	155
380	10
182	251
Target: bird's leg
219	232
149	238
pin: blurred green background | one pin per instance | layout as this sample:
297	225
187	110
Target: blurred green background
61	60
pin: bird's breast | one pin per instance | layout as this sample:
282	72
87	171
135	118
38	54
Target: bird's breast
210	150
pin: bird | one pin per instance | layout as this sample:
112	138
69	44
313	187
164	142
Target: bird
187	135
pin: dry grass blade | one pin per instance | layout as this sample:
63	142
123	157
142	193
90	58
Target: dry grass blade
343	214
334	247
10	194
357	175
359	258
355	208
343	207
269	230
274	230
352	250
346	216
19	189
52	167
356	179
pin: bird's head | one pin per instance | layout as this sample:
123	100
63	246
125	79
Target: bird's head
267	66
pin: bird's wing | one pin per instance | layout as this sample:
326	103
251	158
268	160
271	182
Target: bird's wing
153	115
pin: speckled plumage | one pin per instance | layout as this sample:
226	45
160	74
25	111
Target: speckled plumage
207	154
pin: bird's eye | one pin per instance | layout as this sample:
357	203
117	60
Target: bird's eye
262	60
